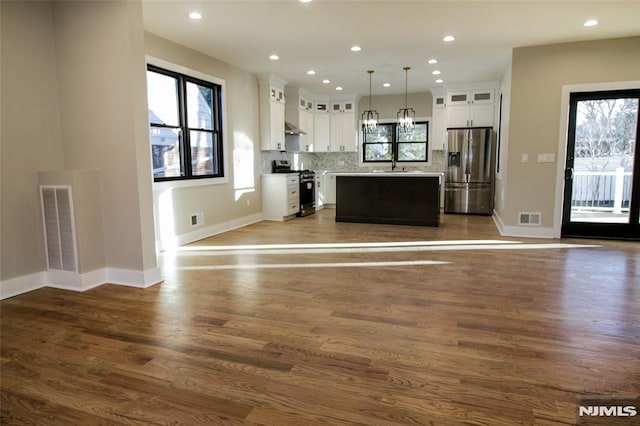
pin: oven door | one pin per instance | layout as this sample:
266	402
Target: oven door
307	196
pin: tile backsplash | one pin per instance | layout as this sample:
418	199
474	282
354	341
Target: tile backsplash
342	162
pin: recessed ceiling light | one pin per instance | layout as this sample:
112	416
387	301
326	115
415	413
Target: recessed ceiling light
325	81
448	38
304	1
591	23
436	72
339	88
432	61
356	48
311	72
195	15
274	57
387	84
439	81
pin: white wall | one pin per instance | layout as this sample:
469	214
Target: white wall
537	79
74	98
502	126
31	131
230	202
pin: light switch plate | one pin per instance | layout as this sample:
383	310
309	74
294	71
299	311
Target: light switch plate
524	158
546	158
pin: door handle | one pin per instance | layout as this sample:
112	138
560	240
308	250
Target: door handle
568	173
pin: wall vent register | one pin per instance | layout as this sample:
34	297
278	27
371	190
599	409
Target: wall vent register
530	218
59	228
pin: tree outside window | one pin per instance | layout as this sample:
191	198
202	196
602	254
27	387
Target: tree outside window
387	144
185	126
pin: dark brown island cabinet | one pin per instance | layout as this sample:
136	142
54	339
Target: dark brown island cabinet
388	198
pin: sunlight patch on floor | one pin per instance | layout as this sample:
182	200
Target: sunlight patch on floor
312	265
339	245
338	248
299	249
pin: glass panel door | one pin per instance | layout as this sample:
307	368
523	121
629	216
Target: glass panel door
602	192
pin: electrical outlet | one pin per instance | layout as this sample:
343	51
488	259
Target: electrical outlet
197	219
248	202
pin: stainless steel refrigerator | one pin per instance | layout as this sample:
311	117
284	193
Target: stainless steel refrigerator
469	177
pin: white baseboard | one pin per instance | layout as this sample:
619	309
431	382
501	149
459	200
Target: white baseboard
23	284
74	281
208	231
522	231
66	280
140	279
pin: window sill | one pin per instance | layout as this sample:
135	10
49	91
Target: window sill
189	183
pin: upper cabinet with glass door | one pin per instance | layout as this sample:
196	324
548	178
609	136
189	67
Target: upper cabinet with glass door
321	126
272	105
343	126
470	108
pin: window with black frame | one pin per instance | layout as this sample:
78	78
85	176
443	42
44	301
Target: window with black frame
388	143
378	145
185	119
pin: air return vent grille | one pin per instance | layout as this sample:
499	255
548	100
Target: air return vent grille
530	218
59	231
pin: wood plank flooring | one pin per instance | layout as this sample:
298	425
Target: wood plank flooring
508	332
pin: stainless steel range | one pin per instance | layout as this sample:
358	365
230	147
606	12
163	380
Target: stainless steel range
307	186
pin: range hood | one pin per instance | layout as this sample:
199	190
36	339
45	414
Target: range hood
290	129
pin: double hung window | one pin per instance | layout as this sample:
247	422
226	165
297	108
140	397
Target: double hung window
388	144
185	119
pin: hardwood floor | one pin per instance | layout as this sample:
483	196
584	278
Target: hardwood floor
240	332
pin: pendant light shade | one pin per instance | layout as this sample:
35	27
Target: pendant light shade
406	115
370	116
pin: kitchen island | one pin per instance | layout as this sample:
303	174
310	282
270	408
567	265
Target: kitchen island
401	198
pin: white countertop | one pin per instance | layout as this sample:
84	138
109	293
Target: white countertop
394	173
280	174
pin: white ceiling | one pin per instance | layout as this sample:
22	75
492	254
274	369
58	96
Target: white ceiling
392	33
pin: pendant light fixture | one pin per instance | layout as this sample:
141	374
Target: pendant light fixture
406	115
370	117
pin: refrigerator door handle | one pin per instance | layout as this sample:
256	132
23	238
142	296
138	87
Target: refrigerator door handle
467	171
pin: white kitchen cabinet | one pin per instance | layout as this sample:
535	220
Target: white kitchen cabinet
321	131
300	113
321	107
319	192
329	189
280	196
343	127
305	104
484	96
438	123
276	127
272	111
472	108
307	124
470	116
343	136
342	106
